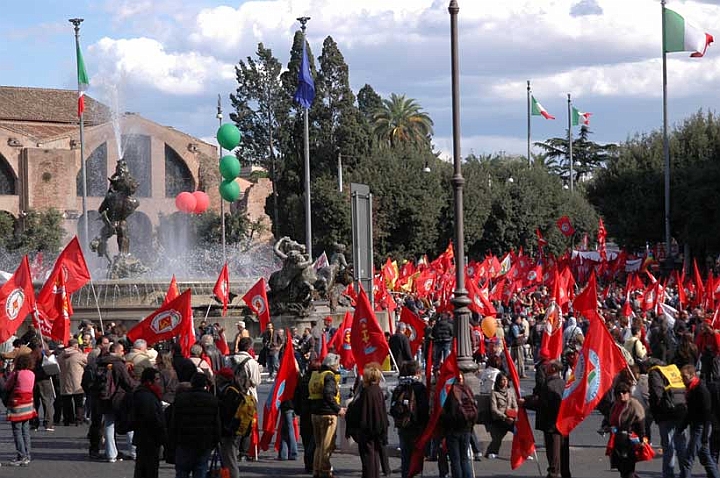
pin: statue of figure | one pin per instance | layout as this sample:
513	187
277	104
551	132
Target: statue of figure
336	273
116	207
291	287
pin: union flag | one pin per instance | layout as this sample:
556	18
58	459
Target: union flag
256	300
18	298
366	337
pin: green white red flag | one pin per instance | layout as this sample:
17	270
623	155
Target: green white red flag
83	81
681	35
539	110
580	117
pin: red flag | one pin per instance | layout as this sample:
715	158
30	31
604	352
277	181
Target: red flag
222	288
350	292
282	389
478	302
709	302
586	300
170	320
415	325
222	345
601	235
650	296
699	287
425	283
429	366
173	291
565	226
18	296
523	443
366	337
341	342
324	347
60	330
449	373
552	339
256	299
254	439
542	242
599	362
71	263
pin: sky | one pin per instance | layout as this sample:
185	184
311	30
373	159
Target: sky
168	60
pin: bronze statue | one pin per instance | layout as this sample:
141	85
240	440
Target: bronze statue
116	207
291	287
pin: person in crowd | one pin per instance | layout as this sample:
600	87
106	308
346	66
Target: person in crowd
196	352
138	358
19	348
708	344
518	341
493	367
670	418
399	344
72	363
545	400
698	419
90	387
229	397
168	377
272	343
211	352
442	336
687	352
21	408
148	424
110	407
458	435
324	395
641	392
241	332
635	346
195	425
410	375
44	391
288	443
247	377
372	434
302	408
184	367
627	420
503	413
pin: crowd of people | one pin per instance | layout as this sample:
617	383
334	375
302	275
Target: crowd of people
150	403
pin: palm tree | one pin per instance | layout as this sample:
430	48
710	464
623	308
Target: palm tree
401	120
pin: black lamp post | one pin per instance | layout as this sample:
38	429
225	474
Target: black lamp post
460	300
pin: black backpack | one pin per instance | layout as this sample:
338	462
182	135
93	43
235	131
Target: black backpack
104	382
460	409
403	405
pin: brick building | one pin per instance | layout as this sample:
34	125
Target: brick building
40	162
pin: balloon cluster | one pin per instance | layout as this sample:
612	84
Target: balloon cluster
192	203
229	137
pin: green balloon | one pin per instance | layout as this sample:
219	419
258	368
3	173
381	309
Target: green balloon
230	190
229	167
228	136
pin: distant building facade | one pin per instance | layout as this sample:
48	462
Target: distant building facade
40	162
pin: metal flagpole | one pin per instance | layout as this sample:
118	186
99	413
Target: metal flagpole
306	140
570	147
666	147
219	116
76	22
528	122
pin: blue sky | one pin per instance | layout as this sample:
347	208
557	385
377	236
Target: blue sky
168	60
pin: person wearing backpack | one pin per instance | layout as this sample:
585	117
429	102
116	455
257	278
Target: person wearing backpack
457	421
150	432
113	382
698	420
668	406
410	408
247	378
229	396
324	395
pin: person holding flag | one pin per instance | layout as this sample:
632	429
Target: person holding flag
324	395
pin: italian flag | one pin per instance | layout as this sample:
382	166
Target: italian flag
537	109
83	81
680	35
580	117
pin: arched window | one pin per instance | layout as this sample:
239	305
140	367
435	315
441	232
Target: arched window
136	152
177	175
96	173
7	178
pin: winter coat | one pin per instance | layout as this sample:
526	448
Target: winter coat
148	418
72	364
195	422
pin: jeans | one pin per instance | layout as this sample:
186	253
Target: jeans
440	352
458	445
21	434
111	451
189	460
288	442
272	362
697	447
672	439
407	447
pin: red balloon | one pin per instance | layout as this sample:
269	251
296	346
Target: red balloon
185	202
202	201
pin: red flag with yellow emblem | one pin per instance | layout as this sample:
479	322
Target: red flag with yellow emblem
366	337
173	319
341	344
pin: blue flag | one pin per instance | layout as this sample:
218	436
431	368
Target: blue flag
305	93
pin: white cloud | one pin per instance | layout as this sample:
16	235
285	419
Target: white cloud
481	144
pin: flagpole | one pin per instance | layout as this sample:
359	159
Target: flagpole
570	151
306	140
219	117
76	22
528	122
666	147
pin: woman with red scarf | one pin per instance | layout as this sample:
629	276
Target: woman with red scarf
699	405
149	424
21	408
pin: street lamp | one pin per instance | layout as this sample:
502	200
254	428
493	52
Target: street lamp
460	300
